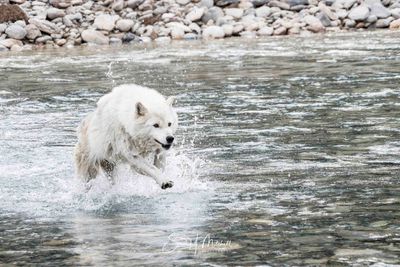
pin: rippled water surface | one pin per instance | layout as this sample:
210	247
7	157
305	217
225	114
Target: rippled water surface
288	154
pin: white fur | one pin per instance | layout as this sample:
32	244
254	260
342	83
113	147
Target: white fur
121	130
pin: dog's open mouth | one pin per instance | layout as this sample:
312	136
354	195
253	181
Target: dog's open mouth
168	146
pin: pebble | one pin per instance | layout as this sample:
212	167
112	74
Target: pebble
124	25
95	37
379	10
195	14
56	23
395	24
236	13
16	31
265	31
44	26
213	32
359	13
53	13
10	42
263	12
177	33
383	23
104	22
314	24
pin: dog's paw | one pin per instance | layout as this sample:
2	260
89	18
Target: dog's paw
166	185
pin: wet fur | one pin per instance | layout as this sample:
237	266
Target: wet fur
117	132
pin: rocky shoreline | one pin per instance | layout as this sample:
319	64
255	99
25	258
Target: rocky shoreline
27	25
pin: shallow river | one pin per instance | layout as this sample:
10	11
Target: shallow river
288	154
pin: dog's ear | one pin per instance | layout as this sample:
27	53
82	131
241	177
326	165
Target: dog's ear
171	100
140	109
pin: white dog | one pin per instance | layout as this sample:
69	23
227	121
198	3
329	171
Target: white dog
130	124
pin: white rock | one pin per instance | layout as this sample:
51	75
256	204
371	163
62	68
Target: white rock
265	31
195	14
359	13
315	25
177	33
228	29
236	13
96	37
32	32
53	13
179	25
3	27
45	26
183	2
124	25
379	10
263	12
15	31
16	48
207	3
237	28
212	32
344	3
395	13
104	22
10	42
118	5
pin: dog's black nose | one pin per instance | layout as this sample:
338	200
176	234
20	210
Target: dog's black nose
170	139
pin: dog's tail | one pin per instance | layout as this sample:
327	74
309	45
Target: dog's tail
85	168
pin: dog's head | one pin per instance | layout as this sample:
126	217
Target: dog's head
159	123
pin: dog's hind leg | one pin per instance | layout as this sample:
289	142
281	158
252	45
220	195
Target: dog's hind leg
108	168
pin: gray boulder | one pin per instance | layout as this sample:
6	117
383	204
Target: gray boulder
359	13
212	14
104	22
32	32
380	11
94	37
53	13
45	26
16	31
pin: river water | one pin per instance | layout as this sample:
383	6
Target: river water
288	154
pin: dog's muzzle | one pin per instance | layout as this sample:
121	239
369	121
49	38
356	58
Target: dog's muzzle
165	146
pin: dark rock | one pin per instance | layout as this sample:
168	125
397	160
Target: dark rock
329	2
258	3
212	14
12	13
298	8
297	2
224	3
324	19
129	37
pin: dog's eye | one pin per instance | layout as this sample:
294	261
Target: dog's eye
169	124
156	125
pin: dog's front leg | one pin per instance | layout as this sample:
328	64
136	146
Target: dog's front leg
142	166
160	160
